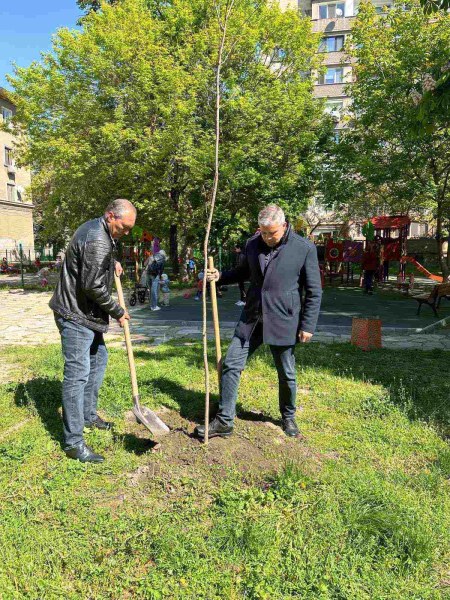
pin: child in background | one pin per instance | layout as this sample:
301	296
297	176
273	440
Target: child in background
200	277
43	275
165	289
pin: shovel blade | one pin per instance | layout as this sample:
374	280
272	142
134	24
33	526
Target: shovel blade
150	420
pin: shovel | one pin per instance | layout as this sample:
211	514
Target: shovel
144	415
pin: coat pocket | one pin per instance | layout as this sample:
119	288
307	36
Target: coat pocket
281	305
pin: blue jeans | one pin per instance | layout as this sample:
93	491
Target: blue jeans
235	361
154	292
85	359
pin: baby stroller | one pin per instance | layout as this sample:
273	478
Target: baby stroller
141	293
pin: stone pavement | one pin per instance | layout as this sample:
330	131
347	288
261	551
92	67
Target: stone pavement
27	320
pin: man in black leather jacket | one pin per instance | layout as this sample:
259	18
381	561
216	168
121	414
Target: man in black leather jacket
82	304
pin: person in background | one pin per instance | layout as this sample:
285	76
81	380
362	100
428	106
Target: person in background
144	280
154	271
369	265
58	263
43	276
200	278
165	289
191	267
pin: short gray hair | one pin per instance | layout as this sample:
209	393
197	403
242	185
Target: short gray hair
119	207
271	215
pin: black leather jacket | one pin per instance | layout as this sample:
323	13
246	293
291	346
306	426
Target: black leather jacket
83	293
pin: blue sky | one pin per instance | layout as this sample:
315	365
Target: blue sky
26	28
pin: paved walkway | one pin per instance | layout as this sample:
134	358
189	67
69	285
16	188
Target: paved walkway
27	319
339	306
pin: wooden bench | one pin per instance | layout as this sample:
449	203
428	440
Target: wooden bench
434	299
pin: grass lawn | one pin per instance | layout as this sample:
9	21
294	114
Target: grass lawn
359	509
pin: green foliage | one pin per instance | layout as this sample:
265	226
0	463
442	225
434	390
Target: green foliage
361	513
88	5
125	107
395	157
432	6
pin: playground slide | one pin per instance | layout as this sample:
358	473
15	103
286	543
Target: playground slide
422	269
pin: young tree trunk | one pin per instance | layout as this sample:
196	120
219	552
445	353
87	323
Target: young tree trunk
223	27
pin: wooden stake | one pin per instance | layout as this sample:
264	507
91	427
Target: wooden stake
215	314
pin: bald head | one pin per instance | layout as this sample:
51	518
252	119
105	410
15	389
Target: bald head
120	216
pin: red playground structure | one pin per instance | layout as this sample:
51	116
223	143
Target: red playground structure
389	236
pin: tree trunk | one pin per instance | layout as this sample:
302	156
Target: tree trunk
443	261
174	196
173	250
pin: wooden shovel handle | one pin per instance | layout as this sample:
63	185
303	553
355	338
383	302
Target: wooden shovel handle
126	329
215	313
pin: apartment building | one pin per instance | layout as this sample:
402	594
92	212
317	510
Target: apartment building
333	20
16	208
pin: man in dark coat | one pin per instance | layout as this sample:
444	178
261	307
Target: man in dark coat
82	304
280	265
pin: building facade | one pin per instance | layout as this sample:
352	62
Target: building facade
333	21
16	208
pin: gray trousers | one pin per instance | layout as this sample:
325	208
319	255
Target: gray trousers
235	361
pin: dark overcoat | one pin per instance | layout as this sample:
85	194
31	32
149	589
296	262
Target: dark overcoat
285	296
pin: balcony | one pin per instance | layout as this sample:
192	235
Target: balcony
343	24
332	58
330	90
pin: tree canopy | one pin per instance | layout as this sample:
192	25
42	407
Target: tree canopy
125	107
393	157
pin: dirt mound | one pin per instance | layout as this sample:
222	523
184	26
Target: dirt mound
255	450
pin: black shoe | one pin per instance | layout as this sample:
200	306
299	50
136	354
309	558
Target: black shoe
215	429
83	453
290	428
99	423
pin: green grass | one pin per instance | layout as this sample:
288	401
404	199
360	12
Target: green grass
360	510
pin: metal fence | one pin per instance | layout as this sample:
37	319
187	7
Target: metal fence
14	254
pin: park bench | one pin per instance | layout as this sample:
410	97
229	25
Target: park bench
439	291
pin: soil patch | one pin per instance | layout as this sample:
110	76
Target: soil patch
255	450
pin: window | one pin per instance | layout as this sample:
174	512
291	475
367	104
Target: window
11	192
331	11
8	157
6	113
334	108
333	43
382	9
332	75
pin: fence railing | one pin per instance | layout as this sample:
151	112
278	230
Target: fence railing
13	254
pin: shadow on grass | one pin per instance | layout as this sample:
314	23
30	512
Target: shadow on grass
134	444
415	380
43	395
192	404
